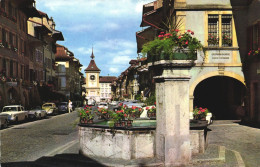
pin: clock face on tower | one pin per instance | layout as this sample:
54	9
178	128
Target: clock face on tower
92	77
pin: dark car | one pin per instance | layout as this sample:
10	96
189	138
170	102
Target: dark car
63	107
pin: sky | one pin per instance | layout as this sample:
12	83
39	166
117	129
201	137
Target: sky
107	25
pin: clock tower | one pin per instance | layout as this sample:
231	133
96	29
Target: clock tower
92	81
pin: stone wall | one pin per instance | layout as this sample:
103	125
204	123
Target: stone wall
128	144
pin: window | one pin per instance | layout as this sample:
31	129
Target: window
4	37
226	25
220	34
11	68
3	4
11	39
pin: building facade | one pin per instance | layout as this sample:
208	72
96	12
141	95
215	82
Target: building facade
16	86
92	81
217	80
68	73
105	88
97	88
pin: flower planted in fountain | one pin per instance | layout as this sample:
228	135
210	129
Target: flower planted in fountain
86	117
200	113
151	112
172	46
103	113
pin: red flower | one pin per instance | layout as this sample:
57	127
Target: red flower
80	113
192	33
121	111
160	36
179	37
186	42
177	30
140	109
87	111
147	108
153	107
125	115
120	104
162	32
188	31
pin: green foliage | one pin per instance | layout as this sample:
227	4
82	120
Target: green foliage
168	46
150	100
86	113
199	113
138	97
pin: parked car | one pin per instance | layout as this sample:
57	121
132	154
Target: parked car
132	103
15	113
103	105
114	103
63	107
4	120
50	108
37	113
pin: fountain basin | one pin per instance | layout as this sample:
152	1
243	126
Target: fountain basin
131	142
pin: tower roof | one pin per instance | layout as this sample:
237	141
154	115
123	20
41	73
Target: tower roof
92	65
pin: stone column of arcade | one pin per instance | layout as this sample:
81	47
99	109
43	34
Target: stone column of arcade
172	102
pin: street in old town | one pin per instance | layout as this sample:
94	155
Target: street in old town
130	83
32	140
26	143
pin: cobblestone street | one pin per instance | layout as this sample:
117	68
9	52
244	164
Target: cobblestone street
32	140
239	138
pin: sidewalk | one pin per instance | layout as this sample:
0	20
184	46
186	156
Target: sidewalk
215	156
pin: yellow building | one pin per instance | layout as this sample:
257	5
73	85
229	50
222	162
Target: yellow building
43	28
217	80
92	81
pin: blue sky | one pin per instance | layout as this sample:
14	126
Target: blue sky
108	25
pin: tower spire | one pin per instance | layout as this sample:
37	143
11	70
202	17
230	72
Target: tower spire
92	54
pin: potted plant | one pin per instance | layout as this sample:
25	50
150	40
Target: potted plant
172	45
200	113
119	118
151	111
226	40
86	116
103	113
213	40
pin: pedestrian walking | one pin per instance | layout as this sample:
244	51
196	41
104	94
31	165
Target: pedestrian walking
70	106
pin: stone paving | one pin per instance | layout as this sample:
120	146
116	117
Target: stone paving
237	138
230	145
29	141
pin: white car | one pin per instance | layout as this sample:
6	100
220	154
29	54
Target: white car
113	103
103	105
15	113
37	113
4	120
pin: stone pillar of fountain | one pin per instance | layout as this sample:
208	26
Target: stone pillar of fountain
172	102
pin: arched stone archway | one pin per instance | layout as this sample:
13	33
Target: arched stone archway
208	75
222	95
